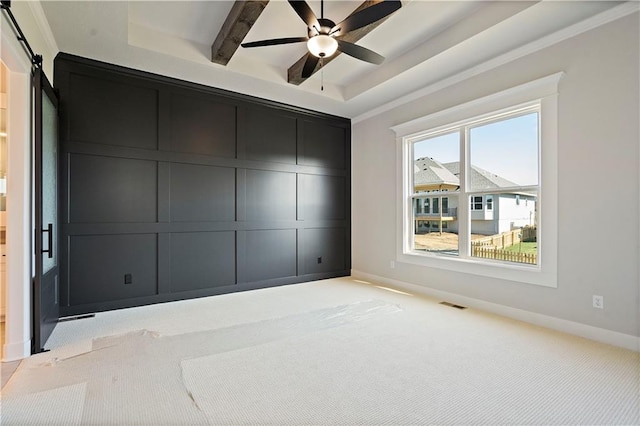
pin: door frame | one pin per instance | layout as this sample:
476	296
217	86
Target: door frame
19	263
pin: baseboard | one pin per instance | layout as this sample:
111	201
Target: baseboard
16	351
601	335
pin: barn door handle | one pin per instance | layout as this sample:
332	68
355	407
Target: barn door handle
49	232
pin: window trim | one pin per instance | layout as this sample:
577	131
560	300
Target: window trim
544	92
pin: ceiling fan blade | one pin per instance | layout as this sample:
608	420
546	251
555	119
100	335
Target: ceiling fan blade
366	16
304	11
309	65
274	41
359	52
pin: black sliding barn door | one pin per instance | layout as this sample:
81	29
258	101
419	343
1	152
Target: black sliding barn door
45	294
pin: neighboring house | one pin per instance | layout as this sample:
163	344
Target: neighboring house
490	214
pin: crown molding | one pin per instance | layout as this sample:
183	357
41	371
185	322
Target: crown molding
595	21
43	24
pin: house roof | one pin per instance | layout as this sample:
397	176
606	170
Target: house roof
428	171
481	178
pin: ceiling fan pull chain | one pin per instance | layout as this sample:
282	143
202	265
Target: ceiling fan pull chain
321	74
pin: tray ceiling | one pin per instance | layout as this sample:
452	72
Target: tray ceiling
424	42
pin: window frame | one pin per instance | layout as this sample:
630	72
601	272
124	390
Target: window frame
542	93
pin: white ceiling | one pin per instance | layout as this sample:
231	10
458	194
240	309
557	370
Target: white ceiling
424	43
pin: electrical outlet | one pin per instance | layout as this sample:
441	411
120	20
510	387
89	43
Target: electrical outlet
598	302
128	279
392	264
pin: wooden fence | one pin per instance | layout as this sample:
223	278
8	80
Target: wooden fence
506	239
529	234
491	247
498	241
498	254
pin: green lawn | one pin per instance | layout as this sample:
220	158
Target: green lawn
531	248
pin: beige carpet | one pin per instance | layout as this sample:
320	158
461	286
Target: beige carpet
328	352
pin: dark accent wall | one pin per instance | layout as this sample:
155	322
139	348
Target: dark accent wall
173	190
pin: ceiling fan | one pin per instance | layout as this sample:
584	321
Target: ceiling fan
325	36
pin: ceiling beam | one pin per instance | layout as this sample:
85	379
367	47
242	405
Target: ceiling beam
294	73
241	18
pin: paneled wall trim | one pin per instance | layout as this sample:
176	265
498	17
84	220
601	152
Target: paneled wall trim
172	190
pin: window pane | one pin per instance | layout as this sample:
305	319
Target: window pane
436	171
508	232
504	153
49	178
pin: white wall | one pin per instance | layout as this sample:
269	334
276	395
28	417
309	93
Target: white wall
510	212
598	153
484	227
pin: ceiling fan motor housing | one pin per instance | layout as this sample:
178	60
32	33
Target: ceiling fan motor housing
325	27
321	44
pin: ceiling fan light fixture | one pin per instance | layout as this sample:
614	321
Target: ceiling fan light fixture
322	46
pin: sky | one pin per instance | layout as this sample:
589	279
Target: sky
508	148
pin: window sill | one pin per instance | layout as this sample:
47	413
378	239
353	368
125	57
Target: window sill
527	274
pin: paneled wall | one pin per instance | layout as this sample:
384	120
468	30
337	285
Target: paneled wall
171	190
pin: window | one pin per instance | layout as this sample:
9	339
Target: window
436	205
502	149
502	156
476	203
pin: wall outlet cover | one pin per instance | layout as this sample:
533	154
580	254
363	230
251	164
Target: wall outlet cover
598	302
